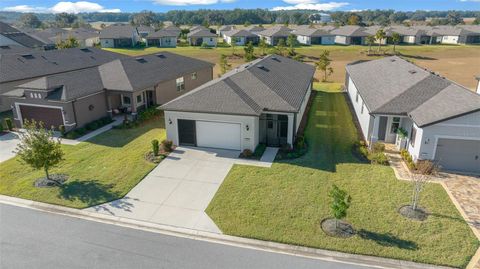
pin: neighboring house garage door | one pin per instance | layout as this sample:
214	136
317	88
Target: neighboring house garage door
49	116
218	135
458	154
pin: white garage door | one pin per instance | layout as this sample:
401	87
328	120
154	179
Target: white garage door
218	135
458	154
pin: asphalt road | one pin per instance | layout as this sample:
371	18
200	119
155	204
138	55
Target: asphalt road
35	239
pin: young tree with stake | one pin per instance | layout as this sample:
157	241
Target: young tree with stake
323	64
340	203
39	149
380	36
370	41
395	39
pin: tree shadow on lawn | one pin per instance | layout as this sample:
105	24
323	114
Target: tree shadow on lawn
387	240
90	192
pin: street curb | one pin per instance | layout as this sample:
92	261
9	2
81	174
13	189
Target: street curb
300	251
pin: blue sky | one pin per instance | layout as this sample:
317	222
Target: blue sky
165	5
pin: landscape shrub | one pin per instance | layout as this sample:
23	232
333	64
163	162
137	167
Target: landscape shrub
223	45
91	126
155	147
408	159
9	123
204	46
61	128
259	150
148	113
378	158
1	127
378	147
300	143
426	167
246	153
360	149
167	145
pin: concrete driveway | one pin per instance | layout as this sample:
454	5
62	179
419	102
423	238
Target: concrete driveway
8	143
179	189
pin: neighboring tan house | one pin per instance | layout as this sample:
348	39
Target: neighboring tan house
314	36
119	36
13	36
202	36
20	67
130	84
441	118
273	34
223	29
242	37
350	35
263	101
84	36
162	39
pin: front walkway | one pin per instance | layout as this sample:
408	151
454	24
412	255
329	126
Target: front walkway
8	143
179	189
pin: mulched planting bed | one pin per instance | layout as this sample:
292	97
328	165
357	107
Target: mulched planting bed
54	180
342	229
407	211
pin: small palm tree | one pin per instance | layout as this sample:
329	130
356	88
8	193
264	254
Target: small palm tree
395	39
370	41
379	36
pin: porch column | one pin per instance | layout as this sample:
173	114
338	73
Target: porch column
133	106
290	129
374	134
109	106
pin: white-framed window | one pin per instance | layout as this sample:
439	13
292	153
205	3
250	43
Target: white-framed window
194	75
180	84
126	100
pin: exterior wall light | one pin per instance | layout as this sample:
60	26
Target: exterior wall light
247	127
169	121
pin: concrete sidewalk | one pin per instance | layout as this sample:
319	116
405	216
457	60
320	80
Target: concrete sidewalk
8	143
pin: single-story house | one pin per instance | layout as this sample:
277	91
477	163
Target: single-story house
314	36
162	39
254	28
408	35
350	35
242	37
273	34
130	84
441	118
225	28
17	68
143	31
202	36
13	36
263	101
119	36
173	29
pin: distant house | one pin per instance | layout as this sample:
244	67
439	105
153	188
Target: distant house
198	27
85	37
173	29
223	29
314	36
320	18
162	38
254	28
202	36
20	67
144	31
119	36
242	37
263	101
441	118
273	34
128	84
350	35
455	35
13	36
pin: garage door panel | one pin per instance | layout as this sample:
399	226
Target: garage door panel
49	116
458	154
218	135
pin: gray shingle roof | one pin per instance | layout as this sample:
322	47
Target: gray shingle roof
19	36
68	86
273	83
161	33
239	33
138	73
118	31
276	31
254	28
17	66
312	32
350	30
392	85
201	33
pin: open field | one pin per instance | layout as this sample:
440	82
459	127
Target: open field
287	202
102	169
458	63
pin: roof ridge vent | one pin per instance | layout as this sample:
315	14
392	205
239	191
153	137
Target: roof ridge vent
27	56
412	71
140	60
160	55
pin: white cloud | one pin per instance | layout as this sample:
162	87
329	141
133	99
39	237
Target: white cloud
313	6
69	7
469	0
190	2
296	2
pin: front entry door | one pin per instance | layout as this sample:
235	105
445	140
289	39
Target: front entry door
187	132
382	128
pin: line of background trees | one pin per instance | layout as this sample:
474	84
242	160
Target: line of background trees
241	16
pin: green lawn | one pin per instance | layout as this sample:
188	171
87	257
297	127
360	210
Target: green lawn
103	169
286	203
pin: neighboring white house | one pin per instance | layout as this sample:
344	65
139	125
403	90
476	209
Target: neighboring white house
314	36
242	37
162	39
442	118
119	36
350	35
263	101
273	34
202	36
